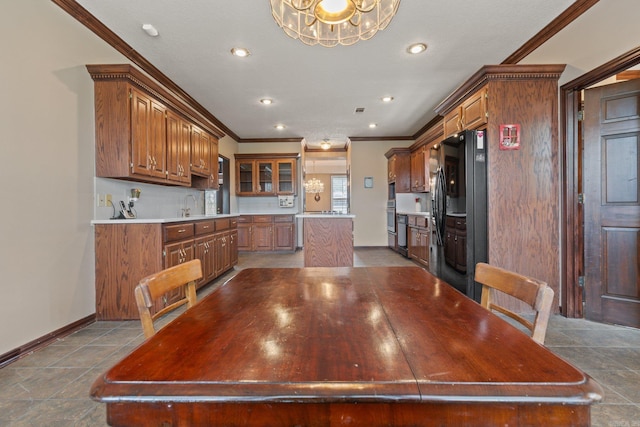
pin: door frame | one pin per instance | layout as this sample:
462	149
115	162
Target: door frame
572	238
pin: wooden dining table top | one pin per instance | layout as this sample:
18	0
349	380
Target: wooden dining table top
370	334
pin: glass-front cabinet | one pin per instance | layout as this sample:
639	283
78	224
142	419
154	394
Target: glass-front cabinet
259	175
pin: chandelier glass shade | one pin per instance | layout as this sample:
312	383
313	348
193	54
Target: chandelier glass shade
333	22
314	186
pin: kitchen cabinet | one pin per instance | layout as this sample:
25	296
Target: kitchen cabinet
455	244
283	233
474	110
127	252
262	233
453	122
144	133
420	170
471	114
266	233
399	169
419	239
265	175
178	149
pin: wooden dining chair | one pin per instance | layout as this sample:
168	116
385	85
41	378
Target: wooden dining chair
154	286
533	292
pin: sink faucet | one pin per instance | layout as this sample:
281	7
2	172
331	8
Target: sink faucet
186	211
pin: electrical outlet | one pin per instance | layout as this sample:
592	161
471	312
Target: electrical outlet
100	200
108	201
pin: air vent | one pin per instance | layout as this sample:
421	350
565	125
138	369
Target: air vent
359	110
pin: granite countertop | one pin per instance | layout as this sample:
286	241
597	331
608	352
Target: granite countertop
161	220
425	214
457	214
324	215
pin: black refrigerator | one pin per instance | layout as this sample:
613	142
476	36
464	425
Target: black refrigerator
475	166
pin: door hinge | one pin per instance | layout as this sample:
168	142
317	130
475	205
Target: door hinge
584	289
581	198
580	115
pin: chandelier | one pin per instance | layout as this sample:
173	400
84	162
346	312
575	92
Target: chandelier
333	22
314	186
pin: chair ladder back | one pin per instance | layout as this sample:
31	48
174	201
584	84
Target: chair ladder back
154	286
535	293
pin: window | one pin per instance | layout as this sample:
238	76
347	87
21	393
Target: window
339	194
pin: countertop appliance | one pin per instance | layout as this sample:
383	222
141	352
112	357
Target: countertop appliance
475	153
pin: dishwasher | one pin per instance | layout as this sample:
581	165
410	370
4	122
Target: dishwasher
402	235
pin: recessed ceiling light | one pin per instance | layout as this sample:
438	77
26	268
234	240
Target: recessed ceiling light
387	98
279	126
240	51
417	48
150	30
372	125
266	101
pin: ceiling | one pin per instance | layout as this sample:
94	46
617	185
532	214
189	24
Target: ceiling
316	89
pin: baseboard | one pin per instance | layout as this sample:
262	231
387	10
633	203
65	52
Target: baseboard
45	340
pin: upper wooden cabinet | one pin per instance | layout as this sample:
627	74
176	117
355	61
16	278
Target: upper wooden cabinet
265	174
399	169
420	170
471	114
453	122
143	133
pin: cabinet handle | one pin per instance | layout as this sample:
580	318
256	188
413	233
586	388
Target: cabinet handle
182	230
164	299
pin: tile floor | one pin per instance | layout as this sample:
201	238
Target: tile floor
51	386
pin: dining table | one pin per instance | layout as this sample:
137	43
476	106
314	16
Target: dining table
344	346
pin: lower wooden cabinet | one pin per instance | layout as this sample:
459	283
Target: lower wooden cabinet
125	253
418	241
455	242
266	233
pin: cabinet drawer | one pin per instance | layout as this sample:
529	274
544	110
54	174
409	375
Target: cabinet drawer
245	219
233	222
283	218
422	221
205	227
461	223
262	218
222	224
450	222
178	231
411	219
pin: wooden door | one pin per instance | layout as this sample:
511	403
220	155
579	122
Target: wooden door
612	203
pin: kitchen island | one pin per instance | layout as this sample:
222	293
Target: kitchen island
328	239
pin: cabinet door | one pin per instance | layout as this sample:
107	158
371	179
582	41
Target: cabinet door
414	243
140	132
200	152
285	177
450	247
174	254
178	149
418	170
205	252
243	241
474	110
244	177
262	237
453	122
461	251
233	247
283	237
158	140
265	177
424	247
222	254
391	168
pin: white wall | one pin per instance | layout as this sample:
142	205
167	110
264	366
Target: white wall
46	178
369	205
